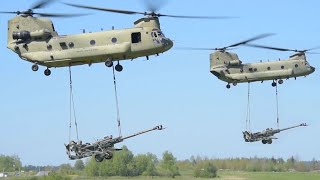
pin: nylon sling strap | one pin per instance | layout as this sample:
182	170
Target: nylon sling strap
277	105
72	109
248	121
117	103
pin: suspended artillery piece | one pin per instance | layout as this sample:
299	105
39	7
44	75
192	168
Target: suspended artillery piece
102	149
267	135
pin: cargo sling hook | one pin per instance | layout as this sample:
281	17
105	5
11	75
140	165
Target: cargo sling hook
117	103
72	109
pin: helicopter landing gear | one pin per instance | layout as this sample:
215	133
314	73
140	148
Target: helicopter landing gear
35	67
274	84
228	86
234	84
280	81
269	141
109	63
118	67
264	141
47	72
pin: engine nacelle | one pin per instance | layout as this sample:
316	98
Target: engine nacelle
235	63
23	35
26	35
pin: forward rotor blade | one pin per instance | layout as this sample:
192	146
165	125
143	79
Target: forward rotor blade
41	4
271	48
4	12
59	15
105	9
199	49
195	17
250	40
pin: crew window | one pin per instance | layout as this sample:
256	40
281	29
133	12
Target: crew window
136	37
49	47
250	69
92	42
282	67
114	40
269	68
63	45
296	65
71	44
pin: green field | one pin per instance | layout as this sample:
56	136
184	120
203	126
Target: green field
223	175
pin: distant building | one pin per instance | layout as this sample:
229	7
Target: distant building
3	174
43	173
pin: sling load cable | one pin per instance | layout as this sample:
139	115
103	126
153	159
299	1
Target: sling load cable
72	107
277	105
248	121
117	103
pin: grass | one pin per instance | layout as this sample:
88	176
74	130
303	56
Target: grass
223	175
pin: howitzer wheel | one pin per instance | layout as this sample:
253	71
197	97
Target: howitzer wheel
108	155
99	157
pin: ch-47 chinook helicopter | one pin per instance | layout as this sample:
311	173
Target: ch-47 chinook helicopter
229	68
35	40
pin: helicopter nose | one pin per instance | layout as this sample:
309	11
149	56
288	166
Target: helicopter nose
168	43
312	69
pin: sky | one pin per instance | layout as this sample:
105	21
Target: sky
175	89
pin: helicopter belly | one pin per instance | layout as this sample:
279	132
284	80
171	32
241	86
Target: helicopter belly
79	56
259	76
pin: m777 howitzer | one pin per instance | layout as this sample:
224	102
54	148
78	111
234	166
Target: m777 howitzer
101	149
267	135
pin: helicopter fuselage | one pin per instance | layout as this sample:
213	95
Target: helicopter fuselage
45	47
295	66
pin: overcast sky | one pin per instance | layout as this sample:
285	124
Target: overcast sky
175	89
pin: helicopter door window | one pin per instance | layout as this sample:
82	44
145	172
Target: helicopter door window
63	45
136	37
296	65
92	42
282	67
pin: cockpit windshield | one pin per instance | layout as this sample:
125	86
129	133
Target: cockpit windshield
160	34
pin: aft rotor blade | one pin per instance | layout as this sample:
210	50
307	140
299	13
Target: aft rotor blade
250	40
6	12
105	9
200	49
41	4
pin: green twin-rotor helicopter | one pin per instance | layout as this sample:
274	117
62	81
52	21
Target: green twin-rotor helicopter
229	68
35	40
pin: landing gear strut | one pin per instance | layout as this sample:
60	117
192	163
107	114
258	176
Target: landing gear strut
47	72
234	84
228	86
35	67
274	84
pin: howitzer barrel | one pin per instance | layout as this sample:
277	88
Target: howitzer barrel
303	124
142	132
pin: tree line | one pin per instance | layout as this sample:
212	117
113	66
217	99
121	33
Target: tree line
125	163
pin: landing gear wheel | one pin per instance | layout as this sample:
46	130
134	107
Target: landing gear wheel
280	81
234	84
35	67
264	142
119	68
228	86
274	84
109	63
270	141
47	72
